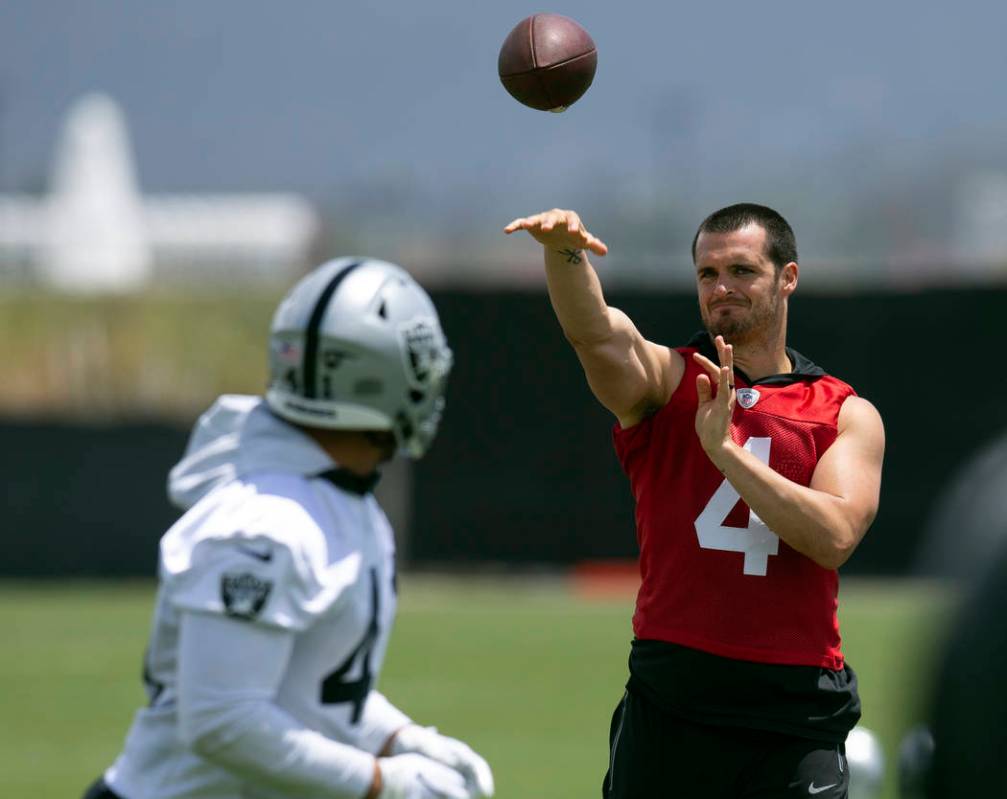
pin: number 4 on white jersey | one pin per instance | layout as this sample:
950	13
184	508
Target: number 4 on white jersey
756	540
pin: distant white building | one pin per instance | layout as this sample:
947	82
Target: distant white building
95	232
980	222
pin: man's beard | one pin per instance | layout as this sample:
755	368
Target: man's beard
758	322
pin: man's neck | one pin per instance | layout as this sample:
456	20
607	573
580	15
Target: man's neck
350	449
763	357
760	363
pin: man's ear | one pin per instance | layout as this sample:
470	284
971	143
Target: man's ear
788	277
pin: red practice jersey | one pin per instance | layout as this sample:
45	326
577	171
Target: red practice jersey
714	577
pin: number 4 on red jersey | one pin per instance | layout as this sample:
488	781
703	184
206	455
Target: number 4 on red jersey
756	541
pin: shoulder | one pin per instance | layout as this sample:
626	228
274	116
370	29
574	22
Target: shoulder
677	359
857	415
293	510
268	534
859	429
278	507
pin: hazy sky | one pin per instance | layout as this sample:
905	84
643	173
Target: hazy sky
802	104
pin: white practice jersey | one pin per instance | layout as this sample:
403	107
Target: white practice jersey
268	545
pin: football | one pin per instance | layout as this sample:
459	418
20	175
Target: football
547	62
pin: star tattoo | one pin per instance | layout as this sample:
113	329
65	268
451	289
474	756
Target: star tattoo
572	256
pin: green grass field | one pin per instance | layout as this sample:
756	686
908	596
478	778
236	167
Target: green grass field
524	670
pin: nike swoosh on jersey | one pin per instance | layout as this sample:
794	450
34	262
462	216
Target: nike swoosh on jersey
812	789
265	555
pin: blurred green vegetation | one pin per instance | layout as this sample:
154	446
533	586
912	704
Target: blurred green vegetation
153	354
524	670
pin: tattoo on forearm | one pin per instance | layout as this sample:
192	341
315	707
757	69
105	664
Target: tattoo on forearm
572	256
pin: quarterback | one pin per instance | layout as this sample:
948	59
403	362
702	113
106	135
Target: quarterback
277	586
755	475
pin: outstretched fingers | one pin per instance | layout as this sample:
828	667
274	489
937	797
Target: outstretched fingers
594	244
725	388
521	223
707	364
723	375
703	389
575	227
725	353
534	223
559	227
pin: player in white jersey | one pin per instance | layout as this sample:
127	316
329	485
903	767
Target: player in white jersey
277	585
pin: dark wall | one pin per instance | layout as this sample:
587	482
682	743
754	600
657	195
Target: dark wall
523	470
85	499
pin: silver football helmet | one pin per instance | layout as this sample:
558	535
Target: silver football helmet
357	345
867	763
916	758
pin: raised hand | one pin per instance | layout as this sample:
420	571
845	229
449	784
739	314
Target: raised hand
713	416
559	230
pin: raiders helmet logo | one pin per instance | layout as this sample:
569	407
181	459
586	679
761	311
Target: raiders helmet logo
244	595
424	350
747	397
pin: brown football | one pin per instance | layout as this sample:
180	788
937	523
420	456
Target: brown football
547	62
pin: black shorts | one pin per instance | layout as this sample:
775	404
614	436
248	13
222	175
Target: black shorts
654	755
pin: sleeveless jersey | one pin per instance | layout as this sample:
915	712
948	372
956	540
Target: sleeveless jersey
714	577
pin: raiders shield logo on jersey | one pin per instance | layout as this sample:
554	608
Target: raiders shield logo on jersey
423	349
244	595
747	397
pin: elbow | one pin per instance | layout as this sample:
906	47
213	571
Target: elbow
195	737
837	555
841	547
203	733
202	746
843	535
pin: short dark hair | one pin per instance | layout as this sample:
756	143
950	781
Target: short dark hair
781	245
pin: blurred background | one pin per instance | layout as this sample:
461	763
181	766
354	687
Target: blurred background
168	170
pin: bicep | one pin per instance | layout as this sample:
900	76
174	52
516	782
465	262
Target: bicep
220	656
628	374
851	468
